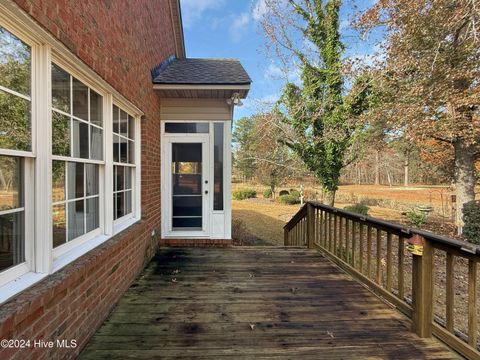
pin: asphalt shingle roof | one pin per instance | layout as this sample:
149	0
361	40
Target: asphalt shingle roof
203	71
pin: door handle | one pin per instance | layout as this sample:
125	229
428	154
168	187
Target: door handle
206	191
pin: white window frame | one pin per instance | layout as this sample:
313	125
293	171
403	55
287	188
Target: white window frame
41	258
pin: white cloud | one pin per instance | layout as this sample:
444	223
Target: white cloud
192	10
238	25
259	10
273	72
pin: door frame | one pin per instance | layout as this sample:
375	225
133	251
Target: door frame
166	178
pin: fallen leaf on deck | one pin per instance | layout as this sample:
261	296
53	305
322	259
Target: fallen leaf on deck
329	333
252	326
174	280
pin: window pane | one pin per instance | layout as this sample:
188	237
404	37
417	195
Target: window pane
80	99
75	180
131	152
119	210
92	214
116	119
59	225
218	167
131	127
12	243
96	108
10	183
119	178
91	180
116	152
58	181
15	69
123	123
76	226
14	122
80	140
186	128
123	150
128	202
60	89
60	134
128	178
96	143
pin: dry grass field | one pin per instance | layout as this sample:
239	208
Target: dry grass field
264	218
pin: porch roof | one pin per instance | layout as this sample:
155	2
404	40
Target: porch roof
207	78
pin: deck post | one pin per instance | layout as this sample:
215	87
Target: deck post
422	290
310	226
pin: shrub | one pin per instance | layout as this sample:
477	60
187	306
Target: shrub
283	192
471	218
244	194
295	193
267	194
359	208
416	218
289	199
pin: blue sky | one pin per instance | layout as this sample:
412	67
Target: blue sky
230	29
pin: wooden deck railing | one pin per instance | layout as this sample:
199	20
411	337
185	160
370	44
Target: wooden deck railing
442	272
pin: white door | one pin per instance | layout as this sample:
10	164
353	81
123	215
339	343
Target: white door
188	186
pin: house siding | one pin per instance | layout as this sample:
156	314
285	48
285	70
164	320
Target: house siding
121	41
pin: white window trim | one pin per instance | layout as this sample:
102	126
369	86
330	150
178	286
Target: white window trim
41	259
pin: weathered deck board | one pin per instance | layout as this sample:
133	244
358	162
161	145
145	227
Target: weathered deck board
203	303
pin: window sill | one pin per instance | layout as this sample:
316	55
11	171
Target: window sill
14	287
85	247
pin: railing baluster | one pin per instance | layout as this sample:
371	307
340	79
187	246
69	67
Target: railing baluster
354	242
449	292
379	257
340	237
369	251
401	267
330	232
389	262
472	303
360	244
335	233
347	241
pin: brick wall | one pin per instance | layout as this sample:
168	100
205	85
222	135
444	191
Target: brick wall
121	40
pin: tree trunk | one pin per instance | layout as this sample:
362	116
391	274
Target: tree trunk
406	165
464	178
377	167
330	197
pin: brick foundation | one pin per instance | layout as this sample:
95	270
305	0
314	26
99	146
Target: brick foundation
196	242
73	302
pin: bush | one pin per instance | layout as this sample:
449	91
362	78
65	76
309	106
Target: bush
267	194
416	218
358	208
289	199
283	192
295	193
244	194
471	218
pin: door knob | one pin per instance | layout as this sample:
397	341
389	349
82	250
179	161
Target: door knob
206	191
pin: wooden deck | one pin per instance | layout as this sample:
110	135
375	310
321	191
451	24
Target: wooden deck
254	303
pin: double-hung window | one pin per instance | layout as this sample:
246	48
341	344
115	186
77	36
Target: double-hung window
124	163
69	156
77	153
16	155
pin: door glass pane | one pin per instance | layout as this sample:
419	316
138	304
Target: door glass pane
187	186
187	128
